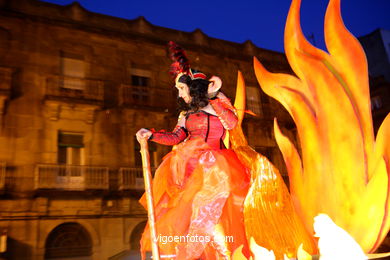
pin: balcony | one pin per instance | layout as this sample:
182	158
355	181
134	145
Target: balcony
132	178
2	175
75	89
5	81
71	177
144	97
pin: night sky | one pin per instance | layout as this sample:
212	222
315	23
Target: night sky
260	21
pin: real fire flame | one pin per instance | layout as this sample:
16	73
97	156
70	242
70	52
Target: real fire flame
342	170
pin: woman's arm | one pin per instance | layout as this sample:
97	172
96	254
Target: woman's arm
178	134
224	110
221	104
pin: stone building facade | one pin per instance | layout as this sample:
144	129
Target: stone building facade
75	86
377	48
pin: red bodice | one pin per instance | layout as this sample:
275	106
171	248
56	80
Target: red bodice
201	124
207	127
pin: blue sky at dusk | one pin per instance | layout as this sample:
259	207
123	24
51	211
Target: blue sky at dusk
260	21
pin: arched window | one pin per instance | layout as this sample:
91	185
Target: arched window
136	235
68	240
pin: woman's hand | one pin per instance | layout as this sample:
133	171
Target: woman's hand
214	86
143	134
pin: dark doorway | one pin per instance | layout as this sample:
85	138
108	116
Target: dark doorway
69	240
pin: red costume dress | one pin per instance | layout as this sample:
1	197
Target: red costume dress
199	189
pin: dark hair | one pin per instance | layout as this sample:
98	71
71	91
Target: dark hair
198	92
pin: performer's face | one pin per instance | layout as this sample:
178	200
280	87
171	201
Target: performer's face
184	92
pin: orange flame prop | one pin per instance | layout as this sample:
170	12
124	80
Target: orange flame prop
343	171
269	214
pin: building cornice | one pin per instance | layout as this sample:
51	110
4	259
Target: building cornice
77	17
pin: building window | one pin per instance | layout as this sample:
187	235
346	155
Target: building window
140	92
376	103
139	81
253	100
70	148
73	70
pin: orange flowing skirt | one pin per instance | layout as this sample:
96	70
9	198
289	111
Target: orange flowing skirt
198	194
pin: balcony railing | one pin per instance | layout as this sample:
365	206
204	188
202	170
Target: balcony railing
75	88
71	177
5	80
2	175
147	97
132	178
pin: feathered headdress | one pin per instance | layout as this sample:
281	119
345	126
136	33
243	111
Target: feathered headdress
181	64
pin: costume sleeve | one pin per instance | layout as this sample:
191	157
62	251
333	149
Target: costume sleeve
225	111
171	138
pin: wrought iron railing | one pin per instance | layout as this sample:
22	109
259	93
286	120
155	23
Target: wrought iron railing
77	88
131	178
71	177
147	97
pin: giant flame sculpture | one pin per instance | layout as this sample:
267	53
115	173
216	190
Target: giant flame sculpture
342	170
270	218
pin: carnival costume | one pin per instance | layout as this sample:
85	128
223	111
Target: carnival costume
200	187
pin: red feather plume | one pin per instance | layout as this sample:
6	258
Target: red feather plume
179	58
